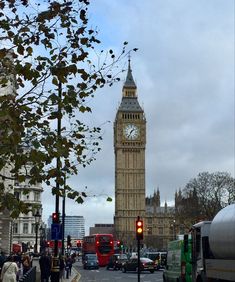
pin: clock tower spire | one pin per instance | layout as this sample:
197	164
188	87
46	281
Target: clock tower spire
129	83
129	148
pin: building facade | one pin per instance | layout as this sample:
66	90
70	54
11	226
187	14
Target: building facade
129	148
102	228
28	226
5	219
74	225
20	231
6	89
160	223
130	191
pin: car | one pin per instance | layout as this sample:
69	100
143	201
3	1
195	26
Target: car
146	264
159	259
116	261
90	261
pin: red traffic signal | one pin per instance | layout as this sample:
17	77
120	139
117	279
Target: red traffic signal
79	243
139	229
55	217
119	244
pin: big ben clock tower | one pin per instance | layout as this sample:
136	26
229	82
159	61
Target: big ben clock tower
129	148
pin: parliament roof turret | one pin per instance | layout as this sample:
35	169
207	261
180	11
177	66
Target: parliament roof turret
129	83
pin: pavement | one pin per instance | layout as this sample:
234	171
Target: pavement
74	277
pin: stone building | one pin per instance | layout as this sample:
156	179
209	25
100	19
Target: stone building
5	232
26	227
160	223
6	89
129	148
100	228
20	231
130	190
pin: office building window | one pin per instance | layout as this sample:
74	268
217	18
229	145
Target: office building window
15	228
36	196
150	231
160	230
33	228
17	195
150	220
25	228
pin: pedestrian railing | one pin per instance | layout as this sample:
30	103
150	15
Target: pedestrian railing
29	276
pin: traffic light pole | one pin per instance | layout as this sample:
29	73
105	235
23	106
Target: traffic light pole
55	269
63	218
139	225
138	252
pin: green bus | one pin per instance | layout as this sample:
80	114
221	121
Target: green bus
179	261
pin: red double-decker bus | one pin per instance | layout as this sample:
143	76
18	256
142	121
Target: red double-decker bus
100	244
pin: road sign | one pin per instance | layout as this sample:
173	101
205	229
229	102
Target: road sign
56	231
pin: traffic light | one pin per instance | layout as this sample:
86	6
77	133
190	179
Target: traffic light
79	243
68	241
139	229
55	217
118	244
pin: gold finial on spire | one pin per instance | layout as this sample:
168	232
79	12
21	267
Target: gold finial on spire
129	60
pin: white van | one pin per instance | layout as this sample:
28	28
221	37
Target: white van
134	255
159	258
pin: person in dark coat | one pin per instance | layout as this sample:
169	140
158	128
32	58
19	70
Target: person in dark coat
45	267
62	267
2	260
69	263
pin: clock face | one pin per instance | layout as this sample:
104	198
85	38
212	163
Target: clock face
131	132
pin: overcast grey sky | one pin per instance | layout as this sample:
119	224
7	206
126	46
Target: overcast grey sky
184	71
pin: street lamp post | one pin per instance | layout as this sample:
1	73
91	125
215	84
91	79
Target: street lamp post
41	232
173	225
37	216
11	235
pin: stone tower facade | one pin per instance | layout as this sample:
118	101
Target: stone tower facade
20	231
129	148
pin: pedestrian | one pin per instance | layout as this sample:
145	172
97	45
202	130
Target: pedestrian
45	267
69	263
62	267
2	260
73	256
9	270
26	263
17	259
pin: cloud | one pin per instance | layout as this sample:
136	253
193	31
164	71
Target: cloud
184	71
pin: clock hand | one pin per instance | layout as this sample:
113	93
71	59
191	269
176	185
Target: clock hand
130	132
